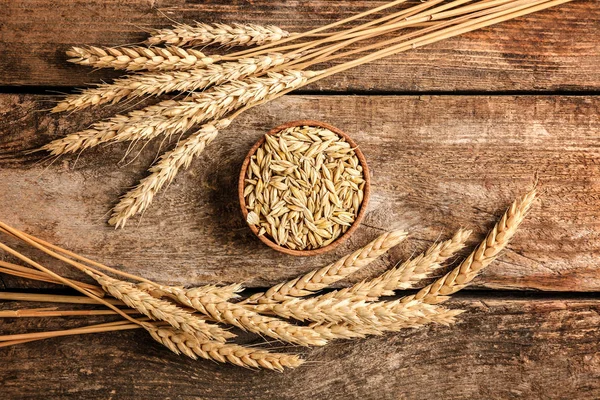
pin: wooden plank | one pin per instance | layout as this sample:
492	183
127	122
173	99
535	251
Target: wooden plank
439	163
556	49
500	349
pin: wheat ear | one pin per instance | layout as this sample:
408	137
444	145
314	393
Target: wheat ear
163	172
183	343
221	34
140	58
155	84
321	278
484	254
329	309
159	309
178	293
171	117
408	273
413	316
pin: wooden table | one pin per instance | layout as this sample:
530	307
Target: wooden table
453	132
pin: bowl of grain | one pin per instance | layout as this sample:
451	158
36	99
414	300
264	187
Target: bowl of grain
304	188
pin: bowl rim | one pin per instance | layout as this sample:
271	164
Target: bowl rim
363	206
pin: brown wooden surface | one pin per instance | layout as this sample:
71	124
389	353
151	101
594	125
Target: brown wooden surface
502	348
438	163
557	49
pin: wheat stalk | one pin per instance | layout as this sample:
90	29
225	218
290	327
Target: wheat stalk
352	310
220	34
155	84
484	254
159	309
236	315
164	171
173	117
183	343
413	317
182	294
140	58
319	279
408	273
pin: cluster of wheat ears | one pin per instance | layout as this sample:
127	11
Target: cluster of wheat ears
192	321
218	87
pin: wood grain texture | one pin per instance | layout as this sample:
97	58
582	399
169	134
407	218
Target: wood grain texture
502	348
438	163
556	49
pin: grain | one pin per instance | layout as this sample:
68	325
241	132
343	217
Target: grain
159	309
157	83
484	254
319	279
304	187
178	293
171	117
140	58
220	34
248	320
164	171
409	273
248	357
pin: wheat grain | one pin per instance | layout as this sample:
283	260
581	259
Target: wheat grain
156	84
179	293
484	254
321	278
163	172
237	315
221	34
159	309
304	187
408	273
412	317
174	117
219	309
183	343
140	58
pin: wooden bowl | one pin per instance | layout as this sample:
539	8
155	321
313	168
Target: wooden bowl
363	206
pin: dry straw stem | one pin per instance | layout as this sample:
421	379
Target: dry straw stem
319	279
182	343
408	273
159	309
484	254
155	84
175	117
140	58
219	34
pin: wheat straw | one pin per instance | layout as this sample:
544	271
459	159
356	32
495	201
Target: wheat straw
159	309
220	34
182	343
408	273
139	198
485	254
182	294
319	279
140	58
416	318
155	84
172	117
